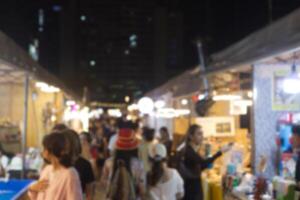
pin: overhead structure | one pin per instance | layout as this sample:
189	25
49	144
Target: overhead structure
22	102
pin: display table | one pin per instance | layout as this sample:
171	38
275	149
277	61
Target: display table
212	189
13	189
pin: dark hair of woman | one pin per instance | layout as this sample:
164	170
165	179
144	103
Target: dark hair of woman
59	127
156	172
74	141
191	131
148	134
165	130
55	144
124	156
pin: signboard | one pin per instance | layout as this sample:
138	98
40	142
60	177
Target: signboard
217	126
282	101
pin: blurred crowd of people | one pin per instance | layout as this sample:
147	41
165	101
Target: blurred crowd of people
127	160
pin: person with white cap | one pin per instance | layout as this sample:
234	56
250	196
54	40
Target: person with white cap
164	183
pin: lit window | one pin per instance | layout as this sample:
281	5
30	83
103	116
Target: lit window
133	37
56	8
126	52
83	18
92	63
133	44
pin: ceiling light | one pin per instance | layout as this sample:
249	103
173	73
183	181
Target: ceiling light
159	104
184	102
145	105
127	99
226	97
201	97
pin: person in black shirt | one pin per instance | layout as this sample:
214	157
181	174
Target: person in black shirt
165	139
82	166
195	164
86	174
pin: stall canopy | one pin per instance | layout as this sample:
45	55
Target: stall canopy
15	62
277	38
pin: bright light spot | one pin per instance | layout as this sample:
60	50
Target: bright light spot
83	18
250	94
291	85
226	97
127	99
53	118
171	112
133	44
44	87
243	102
133	37
166	113
114	112
145	105
180	112
159	104
92	63
184	102
70	103
201	97
132	107
126	52
96	113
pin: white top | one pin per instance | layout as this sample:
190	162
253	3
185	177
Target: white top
112	142
169	189
4	161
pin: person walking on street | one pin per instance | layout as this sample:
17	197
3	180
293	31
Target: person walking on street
165	139
164	183
123	174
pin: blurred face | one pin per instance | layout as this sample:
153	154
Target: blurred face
164	135
197	137
47	156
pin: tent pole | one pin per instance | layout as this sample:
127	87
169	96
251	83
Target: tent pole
202	68
25	120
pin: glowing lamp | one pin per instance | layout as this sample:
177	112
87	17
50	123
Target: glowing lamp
145	105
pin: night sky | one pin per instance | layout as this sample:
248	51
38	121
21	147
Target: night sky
217	23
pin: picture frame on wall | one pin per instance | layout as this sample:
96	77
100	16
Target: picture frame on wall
217	126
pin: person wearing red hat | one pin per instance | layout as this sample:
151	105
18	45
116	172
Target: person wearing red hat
126	152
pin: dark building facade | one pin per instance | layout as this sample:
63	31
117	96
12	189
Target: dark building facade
121	48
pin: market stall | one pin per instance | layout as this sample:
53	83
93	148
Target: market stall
32	100
262	71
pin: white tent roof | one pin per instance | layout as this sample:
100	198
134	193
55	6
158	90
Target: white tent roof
14	62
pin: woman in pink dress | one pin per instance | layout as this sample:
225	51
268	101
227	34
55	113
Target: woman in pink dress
58	180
